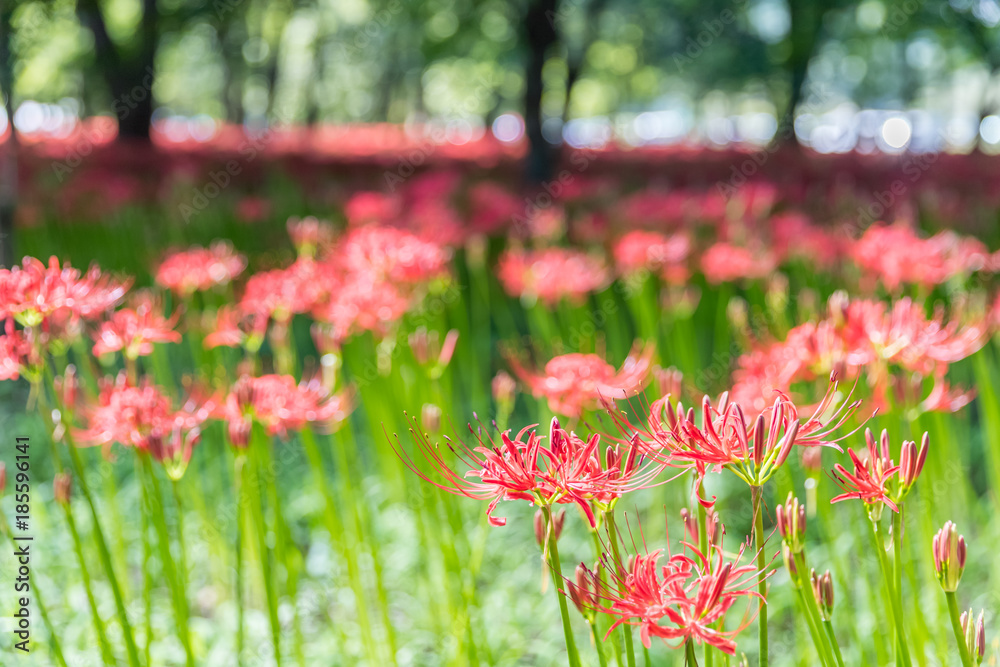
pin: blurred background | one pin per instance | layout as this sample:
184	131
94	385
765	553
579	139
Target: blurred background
874	75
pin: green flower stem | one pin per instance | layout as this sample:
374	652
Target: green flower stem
178	594
703	545
690	657
102	636
238	466
956	626
147	554
756	494
808	600
897	565
252	485
104	553
602	661
599	555
828	626
894	607
609	519
553	551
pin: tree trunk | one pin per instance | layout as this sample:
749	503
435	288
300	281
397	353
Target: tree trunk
540	32
8	153
806	21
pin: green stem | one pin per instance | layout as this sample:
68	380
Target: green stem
595	633
690	657
703	545
828	626
897	566
808	599
609	519
894	606
956	626
756	494
178	594
254	473
102	637
239	464
105	555
554	564
599	554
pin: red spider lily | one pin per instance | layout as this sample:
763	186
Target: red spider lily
655	252
870	481
143	417
281	405
309	234
281	293
134	330
15	351
895	255
551	274
34	293
391	254
727	438
568	470
199	269
682	600
361	302
234	328
371	207
726	263
575	382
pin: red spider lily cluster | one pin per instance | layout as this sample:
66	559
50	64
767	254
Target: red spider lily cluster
893	344
567	469
576	382
133	331
552	274
200	269
682	599
876	480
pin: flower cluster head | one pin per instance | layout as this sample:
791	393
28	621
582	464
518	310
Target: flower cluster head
15	352
642	250
822	588
552	274
876	479
576	382
134	330
141	416
949	556
682	599
566	469
975	635
198	269
727	438
56	297
309	234
884	340
724	262
280	405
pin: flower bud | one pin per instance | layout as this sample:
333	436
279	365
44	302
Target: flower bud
430	418
668	381
62	487
789	558
557	525
503	389
949	557
582	591
975	635
791	520
822	587
3	477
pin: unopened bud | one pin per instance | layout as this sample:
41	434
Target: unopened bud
430	418
668	381
581	591
503	389
3	477
62	487
949	556
975	635
557	525
239	432
822	587
791	520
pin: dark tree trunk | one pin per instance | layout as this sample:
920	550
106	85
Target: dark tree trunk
130	80
541	35
806	20
8	152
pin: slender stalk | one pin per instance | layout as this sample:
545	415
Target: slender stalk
609	518
894	606
105	555
599	555
690	657
828	626
178	594
553	550
254	474
897	566
239	465
956	626
147	579
703	545
756	494
808	601
102	638
598	644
